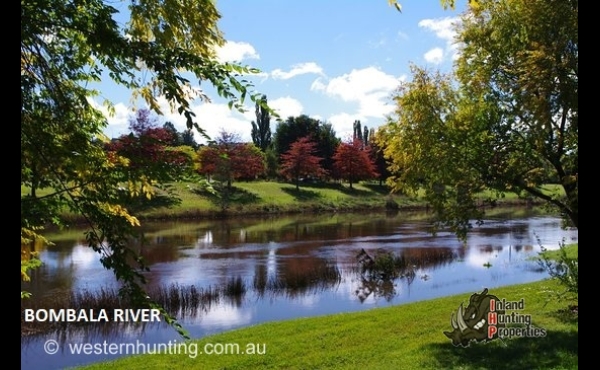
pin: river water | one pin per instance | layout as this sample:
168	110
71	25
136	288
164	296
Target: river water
255	270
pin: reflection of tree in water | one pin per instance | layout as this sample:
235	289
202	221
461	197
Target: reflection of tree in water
379	276
297	276
376	287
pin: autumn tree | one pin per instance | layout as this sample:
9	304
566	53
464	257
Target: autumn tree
321	133
229	159
66	47
353	162
149	150
261	129
507	120
301	161
292	129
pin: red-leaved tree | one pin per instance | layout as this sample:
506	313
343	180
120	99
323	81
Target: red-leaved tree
148	150
352	161
300	161
229	159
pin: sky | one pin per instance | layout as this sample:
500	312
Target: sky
336	61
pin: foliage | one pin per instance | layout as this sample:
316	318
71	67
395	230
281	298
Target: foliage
300	161
523	56
506	121
563	268
68	46
352	161
322	134
147	152
229	159
261	129
327	143
378	157
185	138
272	163
421	146
292	129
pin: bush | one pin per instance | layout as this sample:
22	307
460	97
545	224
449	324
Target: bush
564	268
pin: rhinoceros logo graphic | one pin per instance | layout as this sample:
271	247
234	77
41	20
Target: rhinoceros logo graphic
471	323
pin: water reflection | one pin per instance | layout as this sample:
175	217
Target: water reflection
224	274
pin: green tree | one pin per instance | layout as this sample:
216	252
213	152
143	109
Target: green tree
261	129
67	45
507	120
292	129
378	156
327	144
322	134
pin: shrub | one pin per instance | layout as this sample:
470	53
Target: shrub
563	268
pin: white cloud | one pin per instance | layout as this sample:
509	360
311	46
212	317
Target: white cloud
118	120
234	51
369	87
435	55
214	118
286	107
343	124
444	28
298	69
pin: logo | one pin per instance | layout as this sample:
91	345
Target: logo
487	317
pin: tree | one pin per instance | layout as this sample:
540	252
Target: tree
357	131
148	150
353	162
65	46
188	139
170	127
292	129
261	129
378	156
300	161
327	143
507	120
322	134
181	138
230	159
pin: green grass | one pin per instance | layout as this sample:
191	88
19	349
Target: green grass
271	197
571	249
408	336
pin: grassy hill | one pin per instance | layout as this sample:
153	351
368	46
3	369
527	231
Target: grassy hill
189	200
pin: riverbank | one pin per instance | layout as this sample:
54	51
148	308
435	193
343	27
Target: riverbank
187	200
408	336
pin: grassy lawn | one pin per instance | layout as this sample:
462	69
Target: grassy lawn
408	336
268	197
571	249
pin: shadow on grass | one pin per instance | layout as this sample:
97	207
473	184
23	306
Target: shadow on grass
301	194
343	188
557	350
232	196
141	204
376	188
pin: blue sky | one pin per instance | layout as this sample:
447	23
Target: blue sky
334	60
